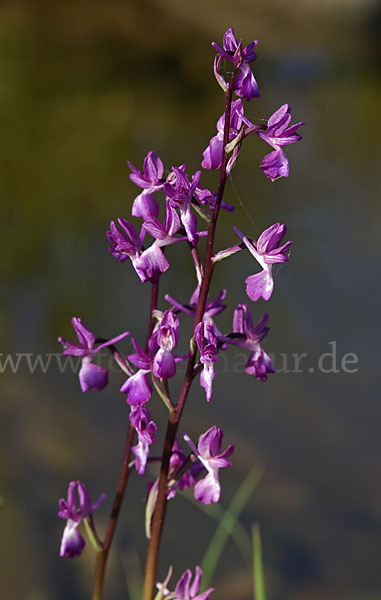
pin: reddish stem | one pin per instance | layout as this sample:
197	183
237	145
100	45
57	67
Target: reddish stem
175	415
101	562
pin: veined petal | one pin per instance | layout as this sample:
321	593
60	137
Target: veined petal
145	205
138	389
208	489
260	285
85	336
279	120
270	237
153	167
151	263
275	165
182	587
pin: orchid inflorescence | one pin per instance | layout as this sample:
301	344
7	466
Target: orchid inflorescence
171	205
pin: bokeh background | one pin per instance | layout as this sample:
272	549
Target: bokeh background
85	86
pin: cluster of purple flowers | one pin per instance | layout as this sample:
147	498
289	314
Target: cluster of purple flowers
168	206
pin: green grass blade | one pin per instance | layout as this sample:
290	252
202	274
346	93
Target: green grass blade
228	522
258	575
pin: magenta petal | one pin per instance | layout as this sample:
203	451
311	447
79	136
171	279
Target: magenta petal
189	220
260	285
207	490
195	587
209	443
138	389
140	451
72	542
270	238
245	85
164	365
279	120
153	167
213	153
182	587
275	165
92	376
259	364
206	380
145	206
85	336
151	263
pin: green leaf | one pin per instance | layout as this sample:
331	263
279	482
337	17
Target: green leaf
258	575
228	522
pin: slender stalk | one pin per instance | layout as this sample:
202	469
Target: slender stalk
175	415
101	562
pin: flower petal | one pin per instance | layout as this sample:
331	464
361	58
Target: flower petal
260	285
72	542
92	376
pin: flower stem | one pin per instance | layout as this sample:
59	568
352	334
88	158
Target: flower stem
101	562
175	414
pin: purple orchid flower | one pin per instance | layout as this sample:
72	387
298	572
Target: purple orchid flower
180	192
140	419
267	252
127	243
138	386
208	451
163	340
185	590
278	134
207	344
248	336
214	152
90	375
151	180
245	85
72	542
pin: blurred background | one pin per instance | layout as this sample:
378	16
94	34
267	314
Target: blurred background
86	86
